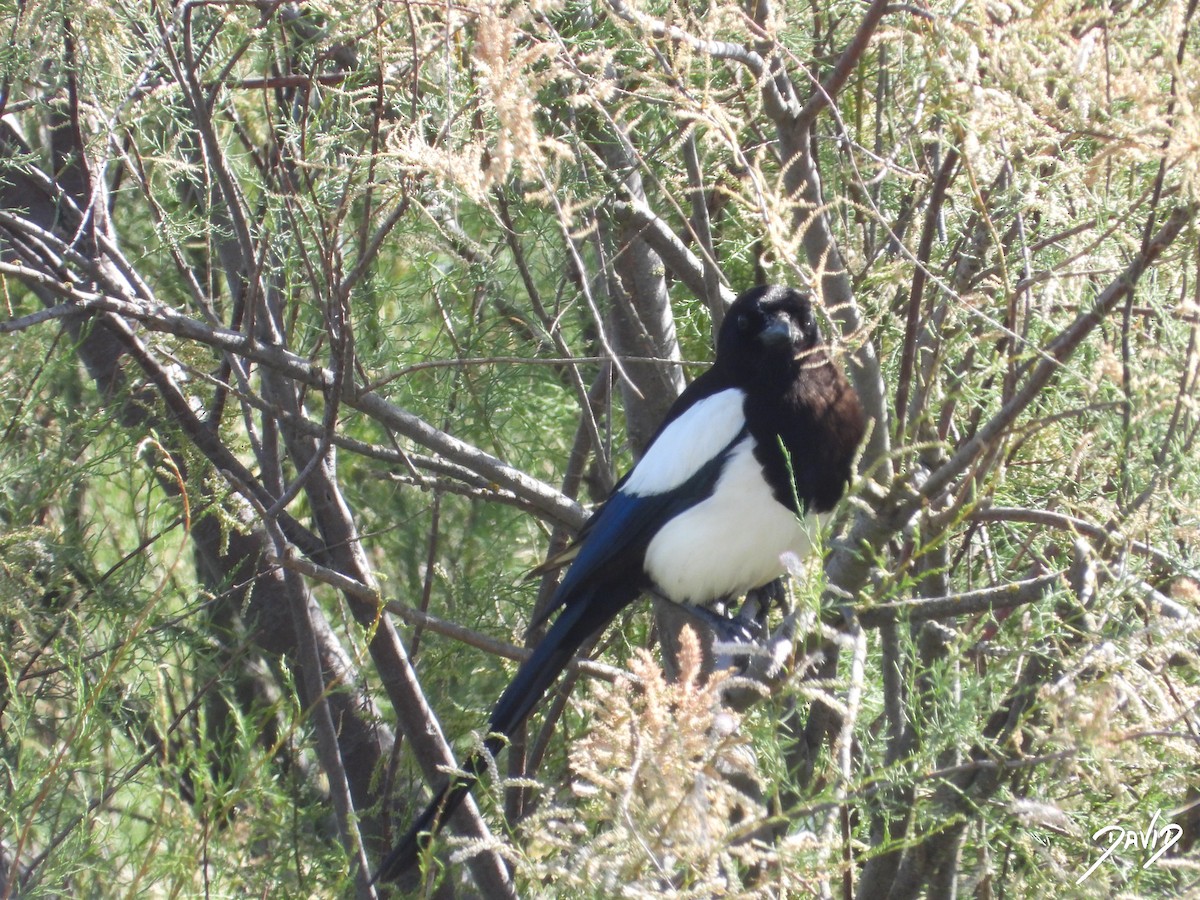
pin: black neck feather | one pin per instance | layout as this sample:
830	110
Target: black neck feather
815	416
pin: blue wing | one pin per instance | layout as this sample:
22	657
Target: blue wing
614	540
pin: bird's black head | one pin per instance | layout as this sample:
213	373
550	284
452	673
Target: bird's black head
768	332
770	347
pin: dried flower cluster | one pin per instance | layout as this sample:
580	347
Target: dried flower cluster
655	779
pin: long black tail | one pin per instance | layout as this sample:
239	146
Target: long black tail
583	617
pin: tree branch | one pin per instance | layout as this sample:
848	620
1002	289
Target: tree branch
922	609
1050	361
824	94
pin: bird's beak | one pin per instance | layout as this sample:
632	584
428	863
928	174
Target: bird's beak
779	333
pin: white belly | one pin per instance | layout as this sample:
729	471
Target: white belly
729	543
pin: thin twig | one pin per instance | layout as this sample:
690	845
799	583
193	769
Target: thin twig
1109	535
922	609
937	197
497	647
826	92
1049	364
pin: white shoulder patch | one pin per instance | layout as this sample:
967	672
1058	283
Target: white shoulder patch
688	443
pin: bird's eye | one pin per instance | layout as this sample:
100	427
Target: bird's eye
743	322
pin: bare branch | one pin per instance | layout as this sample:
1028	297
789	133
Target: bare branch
716	49
937	197
471	638
716	294
824	94
921	609
1049	363
1108	536
674	253
161	318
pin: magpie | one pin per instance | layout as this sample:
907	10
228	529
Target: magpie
763	438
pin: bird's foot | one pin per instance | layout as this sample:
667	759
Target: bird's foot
727	629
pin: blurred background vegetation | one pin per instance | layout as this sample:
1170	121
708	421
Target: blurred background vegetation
325	321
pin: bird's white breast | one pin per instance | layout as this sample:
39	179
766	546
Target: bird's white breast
730	542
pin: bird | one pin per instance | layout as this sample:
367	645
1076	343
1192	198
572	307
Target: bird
764	438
